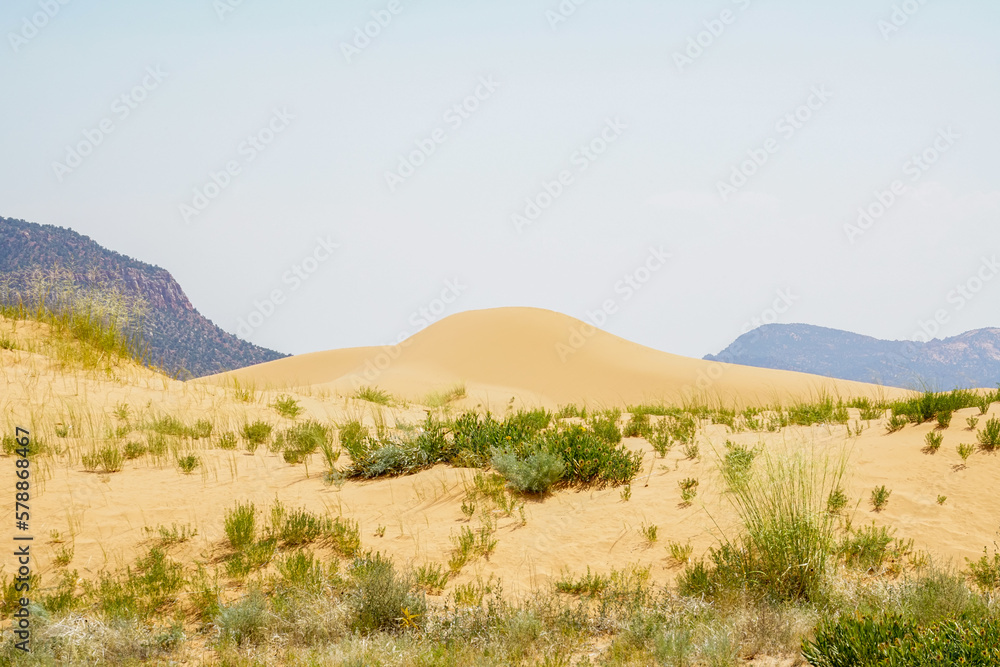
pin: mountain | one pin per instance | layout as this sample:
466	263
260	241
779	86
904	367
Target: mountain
181	341
971	359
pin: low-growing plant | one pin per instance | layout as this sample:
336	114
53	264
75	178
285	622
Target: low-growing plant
287	406
941	499
736	463
985	572
944	419
650	533
188	463
590	584
873	548
932	442
989	436
373	395
880	497
134	450
691	450
63	557
173	535
535	473
431	578
896	423
241	525
107	459
680	554
156	445
972	423
689	489
227	440
242	622
605	426
439	399
626	493
965	451
836	501
638	426
661	437
256	434
382	598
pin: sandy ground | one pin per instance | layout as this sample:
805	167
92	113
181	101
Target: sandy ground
104	517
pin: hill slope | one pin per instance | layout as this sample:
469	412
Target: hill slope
969	360
181	340
537	355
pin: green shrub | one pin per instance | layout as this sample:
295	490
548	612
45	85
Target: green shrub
590	459
836	501
134	450
689	489
888	640
156	445
944	419
227	440
373	395
243	621
536	473
287	407
107	459
381	597
965	451
989	437
638	426
972	423
985	572
256	434
880	497
661	437
736	463
431	578
241	525
605	426
302	440
188	463
896	423
932	442
201	429
138	593
872	548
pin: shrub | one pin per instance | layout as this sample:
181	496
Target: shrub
256	434
536	473
381	597
638	426
141	592
134	450
431	578
156	445
896	423
933	442
972	423
872	548
689	489
661	437
887	640
965	451
944	419
836	501
989	437
736	463
188	463
107	459
650	532
880	497
373	395
302	440
287	407
227	440
241	525
590	459
201	429
439	399
680	553
605	426
985	572
243	621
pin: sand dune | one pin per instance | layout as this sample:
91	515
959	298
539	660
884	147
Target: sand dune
543	357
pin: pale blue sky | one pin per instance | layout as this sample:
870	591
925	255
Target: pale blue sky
681	131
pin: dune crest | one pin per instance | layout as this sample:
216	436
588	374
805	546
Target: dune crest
542	357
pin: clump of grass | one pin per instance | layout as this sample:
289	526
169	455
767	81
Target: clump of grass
736	463
965	451
626	493
107	459
650	533
691	451
134	450
932	442
985	572
689	489
241	525
680	554
431	578
972	423
439	399
605	425
989	436
303	440
173	535
638	426
156	445
287	406
242	622
140	592
896	423
661	437
247	393
227	440
836	501
589	584
571	411
256	434
373	395
188	463
64	556
880	497
944	419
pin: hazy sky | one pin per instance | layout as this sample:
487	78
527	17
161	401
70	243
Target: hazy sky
236	143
